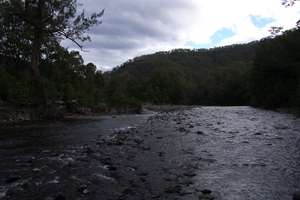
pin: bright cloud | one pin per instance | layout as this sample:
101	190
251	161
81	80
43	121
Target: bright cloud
135	27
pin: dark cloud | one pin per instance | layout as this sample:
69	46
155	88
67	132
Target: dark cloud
131	27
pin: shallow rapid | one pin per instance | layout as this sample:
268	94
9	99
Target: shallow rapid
196	153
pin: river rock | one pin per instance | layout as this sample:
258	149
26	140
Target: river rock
173	190
200	133
84	189
182	129
205	191
206	197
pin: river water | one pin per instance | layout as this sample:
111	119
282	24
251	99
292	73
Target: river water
226	153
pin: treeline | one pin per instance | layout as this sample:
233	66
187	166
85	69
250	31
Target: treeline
66	80
275	78
204	77
263	73
36	72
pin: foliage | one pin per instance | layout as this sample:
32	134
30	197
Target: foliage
263	73
66	79
276	75
182	76
31	30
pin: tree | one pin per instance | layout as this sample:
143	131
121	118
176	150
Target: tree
47	22
288	3
275	77
277	30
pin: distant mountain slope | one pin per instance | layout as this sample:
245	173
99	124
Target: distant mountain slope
208	77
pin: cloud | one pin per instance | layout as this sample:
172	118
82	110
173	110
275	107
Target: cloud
135	27
261	22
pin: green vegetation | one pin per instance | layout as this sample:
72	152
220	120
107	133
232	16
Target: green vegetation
265	73
275	79
204	77
36	73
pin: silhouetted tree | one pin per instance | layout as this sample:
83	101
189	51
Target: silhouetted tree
41	22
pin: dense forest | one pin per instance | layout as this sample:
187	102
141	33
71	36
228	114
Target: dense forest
263	73
204	77
275	77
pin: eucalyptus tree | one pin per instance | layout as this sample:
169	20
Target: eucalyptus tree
38	24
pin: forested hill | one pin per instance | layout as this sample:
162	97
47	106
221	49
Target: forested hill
216	76
264	73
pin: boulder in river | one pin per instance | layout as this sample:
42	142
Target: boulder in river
182	129
200	132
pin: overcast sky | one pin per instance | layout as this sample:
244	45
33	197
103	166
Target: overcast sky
134	27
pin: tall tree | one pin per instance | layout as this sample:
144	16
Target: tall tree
49	21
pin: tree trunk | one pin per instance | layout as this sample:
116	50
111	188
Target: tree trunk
36	54
39	89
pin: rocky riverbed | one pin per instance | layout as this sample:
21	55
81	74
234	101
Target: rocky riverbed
201	153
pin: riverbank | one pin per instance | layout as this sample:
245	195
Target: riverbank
11	116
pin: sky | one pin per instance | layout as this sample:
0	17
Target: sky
132	28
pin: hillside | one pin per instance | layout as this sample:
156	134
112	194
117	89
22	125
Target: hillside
215	76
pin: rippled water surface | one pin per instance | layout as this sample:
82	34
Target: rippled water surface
225	153
248	153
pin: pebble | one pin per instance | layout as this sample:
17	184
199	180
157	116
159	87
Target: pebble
36	170
55	180
206	191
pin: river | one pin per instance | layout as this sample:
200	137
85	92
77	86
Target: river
222	153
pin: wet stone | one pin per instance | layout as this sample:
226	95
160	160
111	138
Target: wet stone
206	191
281	127
112	168
172	190
161	154
200	133
182	129
83	189
190	174
278	138
206	195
